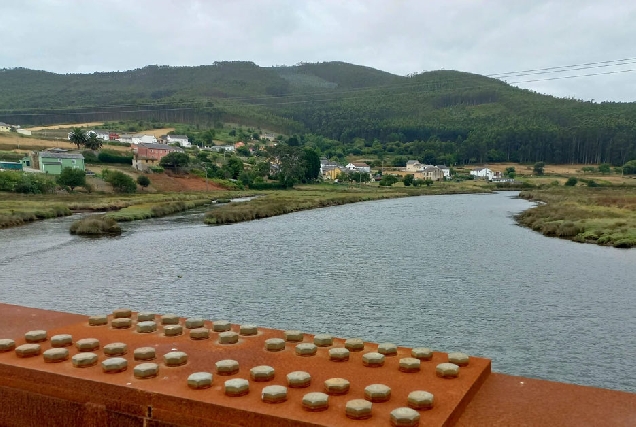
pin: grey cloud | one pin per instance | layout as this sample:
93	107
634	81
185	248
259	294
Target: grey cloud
400	36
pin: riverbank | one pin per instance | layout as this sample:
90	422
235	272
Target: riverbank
320	196
20	209
605	216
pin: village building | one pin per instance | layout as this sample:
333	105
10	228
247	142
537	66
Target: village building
182	140
125	137
5	127
52	162
446	170
26	132
483	173
139	138
359	167
413	166
432	173
104	135
147	155
220	148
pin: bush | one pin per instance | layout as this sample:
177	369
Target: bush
108	156
571	182
156	169
72	178
143	180
95	225
26	183
90	157
121	182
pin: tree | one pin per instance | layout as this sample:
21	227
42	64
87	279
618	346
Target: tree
539	168
232	132
235	166
262	169
311	163
208	137
175	159
288	161
571	182
629	168
72	178
605	168
243	151
428	182
256	136
93	142
510	172
121	182
78	137
388	180
143	180
293	141
408	179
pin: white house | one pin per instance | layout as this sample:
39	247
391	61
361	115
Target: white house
413	166
100	134
219	148
125	137
446	170
139	138
182	140
359	167
24	131
484	173
4	127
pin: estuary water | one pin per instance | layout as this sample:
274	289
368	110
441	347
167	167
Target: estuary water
453	273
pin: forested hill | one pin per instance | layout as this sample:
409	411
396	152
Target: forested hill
445	116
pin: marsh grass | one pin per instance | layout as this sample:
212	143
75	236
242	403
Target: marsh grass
95	225
605	216
319	196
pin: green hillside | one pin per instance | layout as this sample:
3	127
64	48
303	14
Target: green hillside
440	116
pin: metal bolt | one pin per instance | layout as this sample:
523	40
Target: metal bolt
54	355
61	340
169	319
409	364
354	344
227	367
298	379
28	350
294	336
175	358
323	340
248	330
98	320
404	417
6	345
422	353
459	359
262	373
172	330
200	380
115	349
306	349
221	326
237	387
200	334
337	386
146	327
194	322
145	353
373	360
420	400
358	409
228	337
315	402
87	344
377	393
274	394
338	354
84	360
388	349
447	370
121	323
114	365
275	344
146	317
33	337
146	370
122	313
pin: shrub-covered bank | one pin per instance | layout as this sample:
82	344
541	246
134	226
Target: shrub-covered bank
283	202
95	225
155	210
605	216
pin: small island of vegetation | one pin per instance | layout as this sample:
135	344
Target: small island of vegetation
96	225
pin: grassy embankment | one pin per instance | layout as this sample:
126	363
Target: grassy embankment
319	196
95	225
19	209
605	216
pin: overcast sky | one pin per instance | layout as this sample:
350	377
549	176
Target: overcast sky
399	36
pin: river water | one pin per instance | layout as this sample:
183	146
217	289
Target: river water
449	272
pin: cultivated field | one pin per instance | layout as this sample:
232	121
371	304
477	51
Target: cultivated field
67	126
25	144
